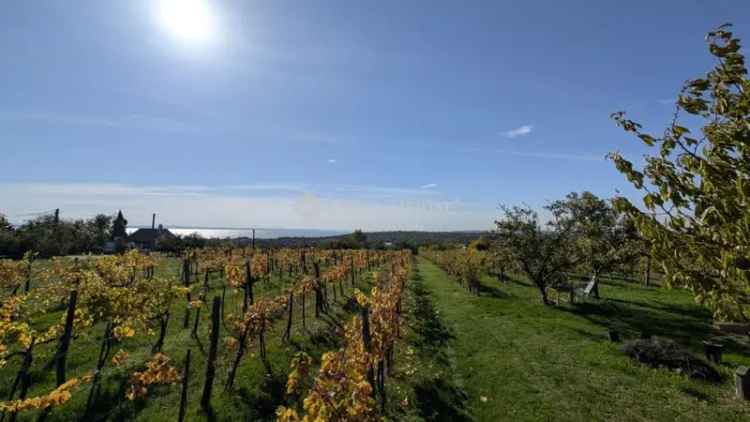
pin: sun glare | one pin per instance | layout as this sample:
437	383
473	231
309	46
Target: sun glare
191	21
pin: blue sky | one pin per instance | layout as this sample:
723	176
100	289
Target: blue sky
336	115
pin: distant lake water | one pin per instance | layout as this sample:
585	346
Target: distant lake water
224	233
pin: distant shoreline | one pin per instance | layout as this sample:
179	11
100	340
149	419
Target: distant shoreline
238	233
274	233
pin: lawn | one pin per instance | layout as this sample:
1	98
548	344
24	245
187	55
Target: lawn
504	356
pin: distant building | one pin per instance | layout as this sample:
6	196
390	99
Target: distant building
150	238
119	227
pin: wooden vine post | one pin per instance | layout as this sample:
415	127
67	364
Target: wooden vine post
248	299
242	345
185	383
186	282
104	352
62	350
194	331
24	377
163	323
304	320
318	291
368	345
27	286
211	360
290	307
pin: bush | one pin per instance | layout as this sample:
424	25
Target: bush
663	353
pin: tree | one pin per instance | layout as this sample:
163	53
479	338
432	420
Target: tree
603	240
5	225
359	238
119	226
100	226
541	254
355	240
483	243
9	245
700	184
501	261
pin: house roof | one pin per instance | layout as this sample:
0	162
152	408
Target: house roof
149	235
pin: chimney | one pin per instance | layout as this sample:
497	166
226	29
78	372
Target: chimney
153	221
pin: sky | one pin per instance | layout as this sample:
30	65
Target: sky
333	114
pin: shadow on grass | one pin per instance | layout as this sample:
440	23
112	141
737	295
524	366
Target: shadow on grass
634	318
440	401
686	310
261	404
519	282
590	336
692	392
492	291
110	405
433	334
732	345
437	399
334	324
324	339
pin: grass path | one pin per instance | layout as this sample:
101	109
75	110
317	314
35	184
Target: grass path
518	360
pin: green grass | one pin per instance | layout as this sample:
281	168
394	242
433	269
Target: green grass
504	356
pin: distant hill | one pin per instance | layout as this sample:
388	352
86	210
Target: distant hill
417	238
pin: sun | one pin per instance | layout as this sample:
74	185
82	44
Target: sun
191	21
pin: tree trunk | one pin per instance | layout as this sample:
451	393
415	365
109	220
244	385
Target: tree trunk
543	292
595	290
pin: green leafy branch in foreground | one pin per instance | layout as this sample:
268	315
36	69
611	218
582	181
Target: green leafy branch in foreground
700	184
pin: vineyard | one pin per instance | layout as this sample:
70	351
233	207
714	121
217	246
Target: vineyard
306	333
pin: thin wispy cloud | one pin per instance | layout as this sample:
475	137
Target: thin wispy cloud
332	161
127	121
545	155
383	191
519	131
555	155
429	186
